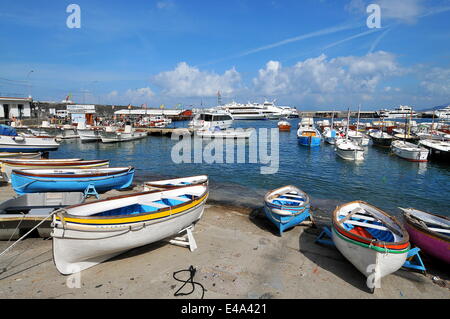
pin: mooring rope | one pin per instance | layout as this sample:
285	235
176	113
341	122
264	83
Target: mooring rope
192	272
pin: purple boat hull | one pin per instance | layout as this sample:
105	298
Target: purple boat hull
432	245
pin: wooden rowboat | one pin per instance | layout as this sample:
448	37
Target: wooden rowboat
88	234
373	241
11	164
71	180
286	207
429	231
176	182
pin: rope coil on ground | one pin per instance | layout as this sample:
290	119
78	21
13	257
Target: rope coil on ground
192	272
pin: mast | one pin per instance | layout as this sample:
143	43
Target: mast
357	123
348	122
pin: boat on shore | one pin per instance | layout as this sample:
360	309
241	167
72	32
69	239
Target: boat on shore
429	231
308	134
71	180
409	151
122	135
88	234
20	214
18	164
286	207
373	241
177	182
9	155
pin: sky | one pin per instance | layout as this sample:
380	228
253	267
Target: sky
309	54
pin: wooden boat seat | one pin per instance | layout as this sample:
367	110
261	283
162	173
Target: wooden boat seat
440	230
293	196
366	225
154	204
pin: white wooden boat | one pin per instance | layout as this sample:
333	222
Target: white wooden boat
409	151
176	182
373	241
358	137
27	144
8	155
127	134
349	150
89	134
88	234
437	149
16	164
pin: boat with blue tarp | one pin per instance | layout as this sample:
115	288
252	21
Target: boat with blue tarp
11	141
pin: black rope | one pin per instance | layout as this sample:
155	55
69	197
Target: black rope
192	272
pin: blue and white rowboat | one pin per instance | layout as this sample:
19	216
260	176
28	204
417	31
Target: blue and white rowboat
71	180
286	207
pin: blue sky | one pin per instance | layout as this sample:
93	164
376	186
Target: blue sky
310	54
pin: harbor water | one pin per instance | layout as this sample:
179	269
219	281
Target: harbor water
382	179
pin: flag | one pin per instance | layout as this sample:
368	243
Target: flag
161	106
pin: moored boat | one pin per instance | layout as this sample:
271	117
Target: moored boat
122	135
11	164
10	141
409	151
176	182
349	150
308	134
88	234
429	231
233	133
284	125
380	138
71	180
9	155
437	149
286	207
373	241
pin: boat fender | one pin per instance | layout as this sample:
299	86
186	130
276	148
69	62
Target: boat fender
18	138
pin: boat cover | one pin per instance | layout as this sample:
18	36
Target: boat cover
7	130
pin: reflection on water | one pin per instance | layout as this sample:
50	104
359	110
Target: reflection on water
381	179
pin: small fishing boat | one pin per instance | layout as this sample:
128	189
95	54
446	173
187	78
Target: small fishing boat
373	241
330	135
176	182
284	125
20	214
409	151
10	141
88	234
308	134
89	133
11	164
122	135
439	150
380	138
71	180
358	138
286	207
429	231
349	150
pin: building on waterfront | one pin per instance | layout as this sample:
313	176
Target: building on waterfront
15	107
81	113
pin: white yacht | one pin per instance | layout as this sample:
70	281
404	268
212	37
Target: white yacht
258	111
443	113
211	119
400	112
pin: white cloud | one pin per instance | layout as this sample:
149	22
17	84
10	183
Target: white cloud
139	95
187	81
437	81
164	4
323	76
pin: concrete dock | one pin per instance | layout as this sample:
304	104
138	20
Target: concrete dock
239	255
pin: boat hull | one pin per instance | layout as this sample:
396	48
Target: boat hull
113	137
310	141
412	155
75	250
27	144
89	135
23	184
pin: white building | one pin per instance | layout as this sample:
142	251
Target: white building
15	107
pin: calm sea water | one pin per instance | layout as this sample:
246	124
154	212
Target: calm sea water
382	179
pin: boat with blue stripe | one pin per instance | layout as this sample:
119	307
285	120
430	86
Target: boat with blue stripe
71	180
308	134
11	141
286	207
